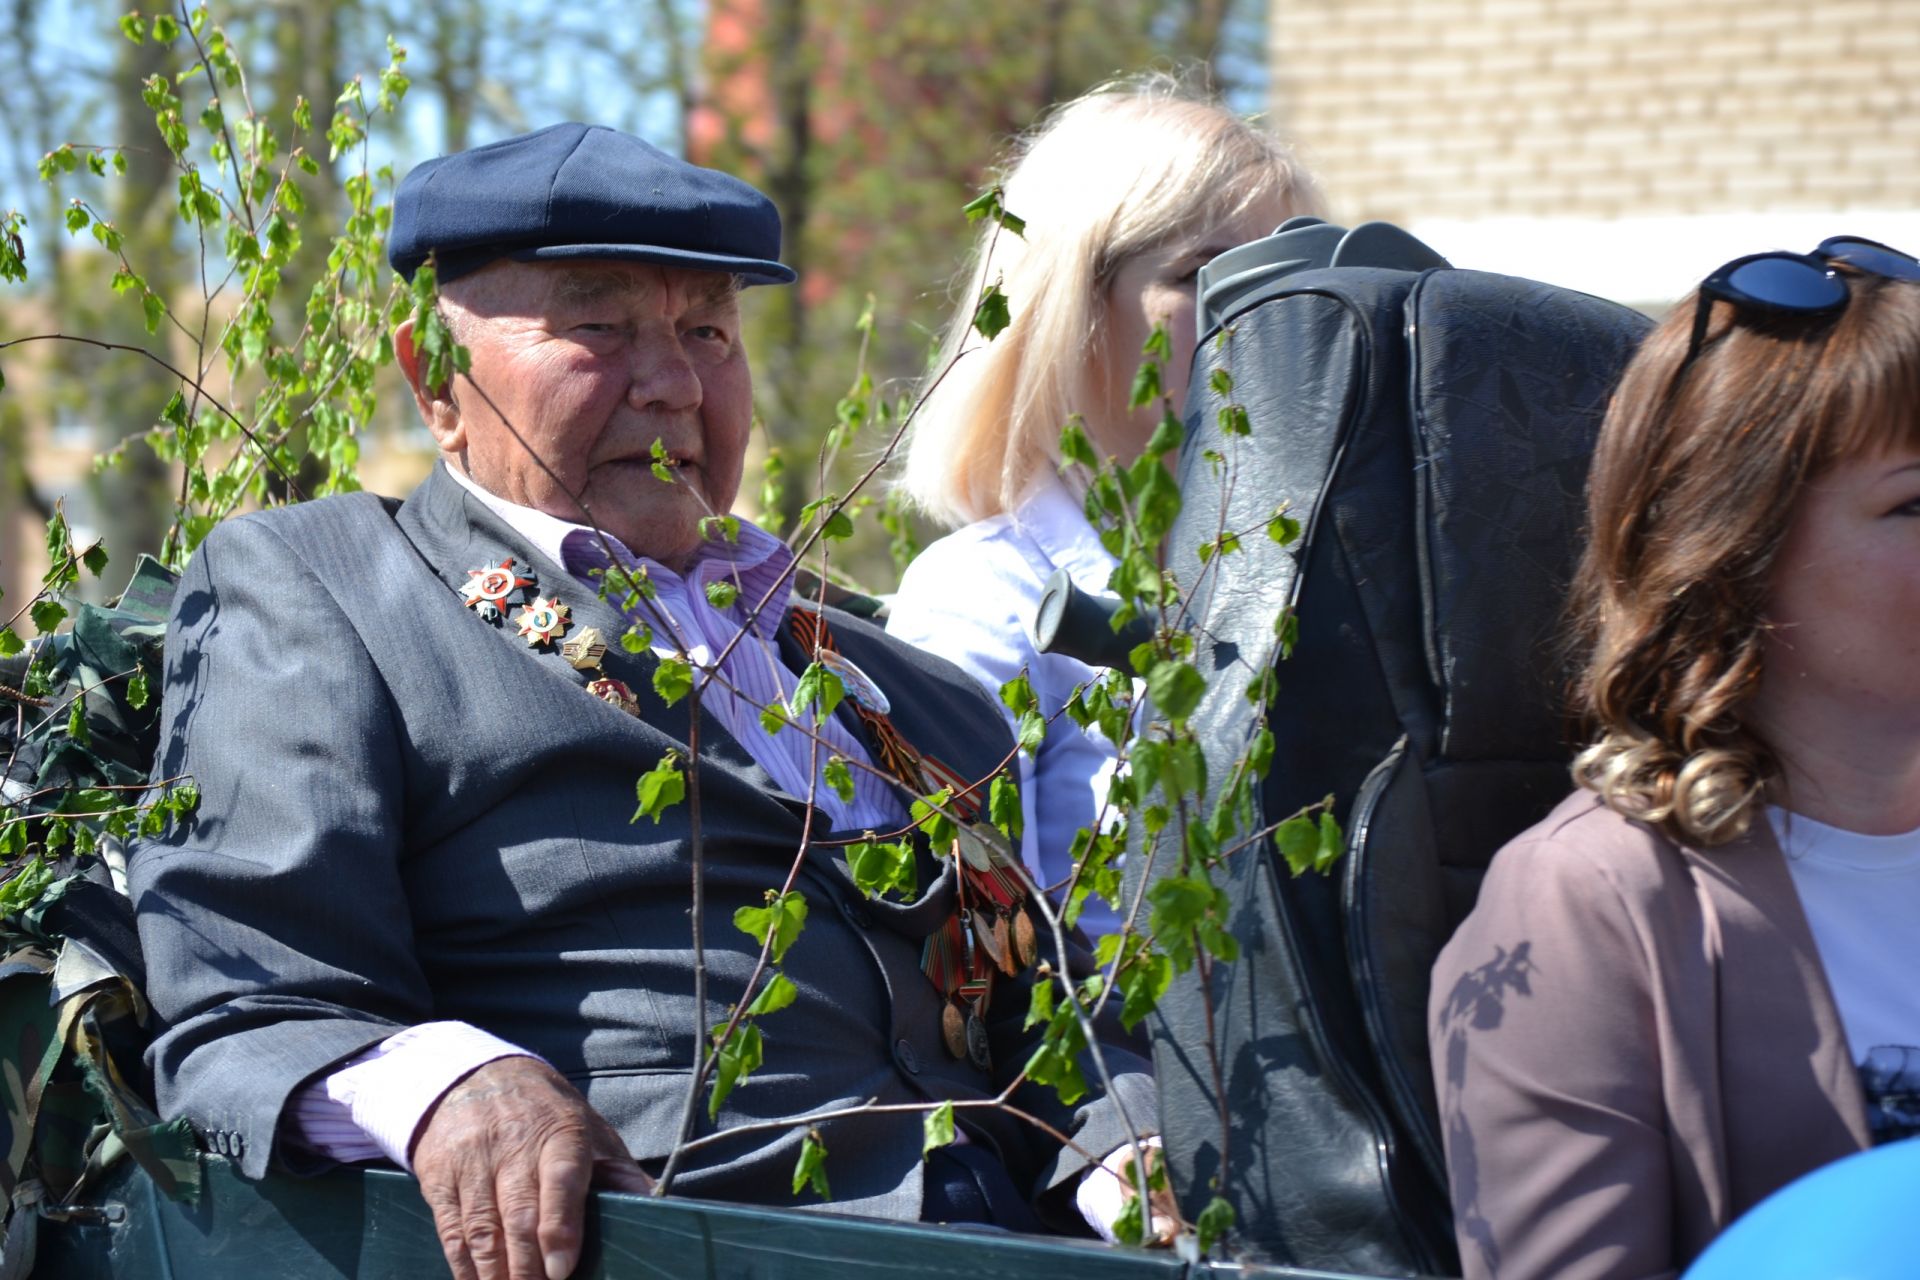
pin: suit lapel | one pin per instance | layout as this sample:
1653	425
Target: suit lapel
454	533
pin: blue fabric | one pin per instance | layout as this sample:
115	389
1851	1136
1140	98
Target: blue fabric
581	191
970	1184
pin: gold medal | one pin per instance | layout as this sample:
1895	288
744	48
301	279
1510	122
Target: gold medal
585	650
953	1029
1003	938
1025	944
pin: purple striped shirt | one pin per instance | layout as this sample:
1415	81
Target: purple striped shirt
371	1105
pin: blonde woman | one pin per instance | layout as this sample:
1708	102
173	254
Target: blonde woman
1694	981
1126	192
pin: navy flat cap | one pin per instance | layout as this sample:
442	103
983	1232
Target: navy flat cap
581	191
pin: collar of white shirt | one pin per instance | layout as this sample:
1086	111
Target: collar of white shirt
1057	523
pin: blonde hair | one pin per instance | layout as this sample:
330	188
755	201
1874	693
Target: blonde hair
1112	174
1695	482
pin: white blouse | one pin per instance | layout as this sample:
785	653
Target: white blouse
971	599
1861	895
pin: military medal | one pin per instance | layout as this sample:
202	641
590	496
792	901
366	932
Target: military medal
953	1029
990	930
543	621
979	1051
859	686
615	693
1026	945
585	650
489	586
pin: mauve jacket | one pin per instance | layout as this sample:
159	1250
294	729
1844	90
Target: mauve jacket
1633	1043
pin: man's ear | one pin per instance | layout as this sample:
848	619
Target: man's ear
436	404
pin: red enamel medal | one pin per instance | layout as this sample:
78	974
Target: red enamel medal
489	586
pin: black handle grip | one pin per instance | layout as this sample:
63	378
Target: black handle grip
1080	625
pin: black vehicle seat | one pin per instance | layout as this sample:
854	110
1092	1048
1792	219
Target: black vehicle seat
1431	430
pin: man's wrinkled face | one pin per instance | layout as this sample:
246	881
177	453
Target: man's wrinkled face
582	366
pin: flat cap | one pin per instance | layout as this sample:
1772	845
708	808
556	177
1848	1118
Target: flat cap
581	191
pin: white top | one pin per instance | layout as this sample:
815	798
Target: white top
971	598
1862	897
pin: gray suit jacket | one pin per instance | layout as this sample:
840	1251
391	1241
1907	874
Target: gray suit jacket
409	815
1633	1044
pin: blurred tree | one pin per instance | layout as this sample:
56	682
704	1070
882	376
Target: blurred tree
871	125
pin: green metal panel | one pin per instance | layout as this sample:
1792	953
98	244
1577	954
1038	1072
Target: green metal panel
374	1224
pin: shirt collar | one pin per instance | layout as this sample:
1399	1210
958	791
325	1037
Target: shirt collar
1058	525
757	559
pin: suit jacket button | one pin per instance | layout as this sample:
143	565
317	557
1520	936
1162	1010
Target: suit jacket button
903	1053
237	1143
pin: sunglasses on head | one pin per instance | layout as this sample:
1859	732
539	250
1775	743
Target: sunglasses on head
1802	284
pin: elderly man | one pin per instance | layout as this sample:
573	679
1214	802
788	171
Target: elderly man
413	917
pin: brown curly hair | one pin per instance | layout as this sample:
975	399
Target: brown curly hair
1693	487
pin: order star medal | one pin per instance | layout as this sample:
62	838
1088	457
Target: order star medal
489	586
859	686
543	621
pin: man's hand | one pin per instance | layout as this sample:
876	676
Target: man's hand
504	1161
1163	1211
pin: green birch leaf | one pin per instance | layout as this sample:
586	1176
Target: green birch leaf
660	788
810	1170
1176	689
1332	844
784	916
95	558
1074	444
839	778
775	996
1214	1222
137	692
1032	732
818	688
738	1058
881	865
1017	695
1146	385
722	594
673	679
46	615
772	720
1158	344
1003	806
936	1129
1298	840
10	643
1039	1004
1130	1227
992	315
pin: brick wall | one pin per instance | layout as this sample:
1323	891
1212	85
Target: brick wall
1608	109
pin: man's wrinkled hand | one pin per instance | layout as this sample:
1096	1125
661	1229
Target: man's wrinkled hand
505	1160
1163	1210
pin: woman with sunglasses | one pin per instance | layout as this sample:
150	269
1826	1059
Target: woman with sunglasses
1695	980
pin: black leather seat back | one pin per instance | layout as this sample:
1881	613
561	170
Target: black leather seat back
1431	432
